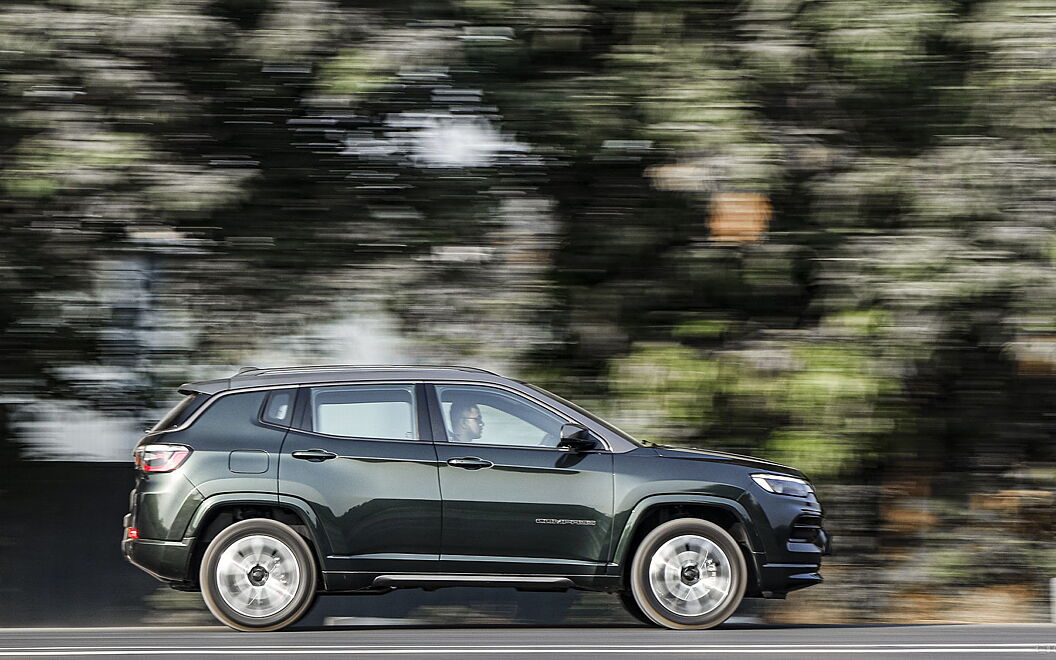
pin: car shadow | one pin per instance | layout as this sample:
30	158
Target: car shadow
601	626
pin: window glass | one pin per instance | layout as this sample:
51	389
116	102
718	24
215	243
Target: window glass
180	412
490	416
279	407
589	415
363	411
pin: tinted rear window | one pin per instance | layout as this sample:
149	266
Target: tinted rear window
180	412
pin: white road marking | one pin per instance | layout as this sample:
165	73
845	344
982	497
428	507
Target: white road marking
496	647
768	649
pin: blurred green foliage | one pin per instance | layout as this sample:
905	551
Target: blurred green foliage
818	231
538	186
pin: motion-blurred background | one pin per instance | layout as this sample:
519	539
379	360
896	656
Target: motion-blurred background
822	232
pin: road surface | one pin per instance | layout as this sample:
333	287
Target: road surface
464	643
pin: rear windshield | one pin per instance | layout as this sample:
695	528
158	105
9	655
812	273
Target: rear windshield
180	412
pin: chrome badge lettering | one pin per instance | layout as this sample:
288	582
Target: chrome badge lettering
564	521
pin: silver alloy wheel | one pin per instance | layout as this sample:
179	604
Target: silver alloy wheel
257	576
690	575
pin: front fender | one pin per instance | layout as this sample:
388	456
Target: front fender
623	545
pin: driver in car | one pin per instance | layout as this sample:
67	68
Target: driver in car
467	424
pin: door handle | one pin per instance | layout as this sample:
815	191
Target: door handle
314	455
469	463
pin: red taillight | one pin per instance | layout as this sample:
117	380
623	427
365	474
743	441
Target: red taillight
160	458
133	533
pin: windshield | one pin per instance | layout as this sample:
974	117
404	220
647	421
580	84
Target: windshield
589	415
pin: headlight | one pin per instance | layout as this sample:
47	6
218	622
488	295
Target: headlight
782	485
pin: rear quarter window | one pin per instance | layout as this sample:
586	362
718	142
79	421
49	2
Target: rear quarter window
278	407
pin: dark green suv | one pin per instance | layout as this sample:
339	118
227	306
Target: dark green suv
266	488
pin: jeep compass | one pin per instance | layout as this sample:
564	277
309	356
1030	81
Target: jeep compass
267	488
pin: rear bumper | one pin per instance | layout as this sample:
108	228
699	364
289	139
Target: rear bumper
165	560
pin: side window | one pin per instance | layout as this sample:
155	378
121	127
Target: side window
363	411
278	408
491	416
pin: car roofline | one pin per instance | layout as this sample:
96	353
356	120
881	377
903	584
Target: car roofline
257	371
278	376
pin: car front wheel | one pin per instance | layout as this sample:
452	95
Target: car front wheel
688	574
258	575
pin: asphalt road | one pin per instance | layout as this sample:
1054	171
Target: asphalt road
749	641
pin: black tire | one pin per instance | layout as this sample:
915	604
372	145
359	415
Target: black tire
698	575
629	604
234	576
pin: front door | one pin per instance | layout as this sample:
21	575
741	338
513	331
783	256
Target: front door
362	457
513	501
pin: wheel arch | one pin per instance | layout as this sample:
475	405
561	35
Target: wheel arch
220	511
657	509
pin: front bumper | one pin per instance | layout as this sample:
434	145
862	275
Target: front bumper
777	580
794	559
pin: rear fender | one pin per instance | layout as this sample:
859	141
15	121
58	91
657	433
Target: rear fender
316	535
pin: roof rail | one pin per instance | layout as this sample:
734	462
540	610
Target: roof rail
463	368
254	371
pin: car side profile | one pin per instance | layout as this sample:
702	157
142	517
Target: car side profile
267	488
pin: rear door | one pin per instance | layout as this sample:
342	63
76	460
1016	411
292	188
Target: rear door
513	501
360	455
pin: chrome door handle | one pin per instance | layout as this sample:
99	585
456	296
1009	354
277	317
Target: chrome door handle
314	455
469	463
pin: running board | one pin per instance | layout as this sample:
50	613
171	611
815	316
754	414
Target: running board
432	581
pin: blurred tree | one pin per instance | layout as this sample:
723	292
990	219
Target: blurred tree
544	186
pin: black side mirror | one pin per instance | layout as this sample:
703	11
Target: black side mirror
576	438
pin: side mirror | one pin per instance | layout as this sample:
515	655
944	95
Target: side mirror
576	438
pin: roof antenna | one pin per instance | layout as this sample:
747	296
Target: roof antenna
245	369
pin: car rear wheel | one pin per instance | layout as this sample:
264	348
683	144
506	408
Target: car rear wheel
688	574
258	575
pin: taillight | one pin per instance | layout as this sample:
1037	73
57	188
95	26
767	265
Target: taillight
160	458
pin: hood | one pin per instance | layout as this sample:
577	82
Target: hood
694	454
